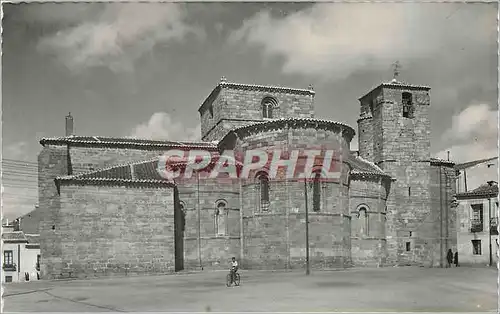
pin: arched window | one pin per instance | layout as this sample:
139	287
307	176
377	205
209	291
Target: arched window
363	220
316	191
268	104
220	218
407	105
263	186
182	207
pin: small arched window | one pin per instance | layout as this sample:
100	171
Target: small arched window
268	104
263	186
363	220
407	105
182	207
220	218
317	191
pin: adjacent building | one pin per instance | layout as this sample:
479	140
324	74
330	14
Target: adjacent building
20	255
478	225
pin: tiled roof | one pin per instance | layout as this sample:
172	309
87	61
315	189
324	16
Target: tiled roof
144	172
98	141
440	161
398	85
33	238
473	163
276	124
483	191
14	236
269	89
362	167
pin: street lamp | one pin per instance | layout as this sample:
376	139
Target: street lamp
489	230
308	271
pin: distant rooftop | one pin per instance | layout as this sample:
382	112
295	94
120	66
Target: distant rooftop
488	190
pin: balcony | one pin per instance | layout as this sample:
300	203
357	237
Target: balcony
476	226
9	267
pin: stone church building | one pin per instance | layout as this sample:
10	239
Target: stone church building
106	210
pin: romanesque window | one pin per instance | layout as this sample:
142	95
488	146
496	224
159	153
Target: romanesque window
220	218
182	207
363	220
407	105
317	192
263	186
268	104
408	246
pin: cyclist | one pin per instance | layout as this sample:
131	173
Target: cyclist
234	269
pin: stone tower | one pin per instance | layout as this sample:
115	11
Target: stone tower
232	105
394	133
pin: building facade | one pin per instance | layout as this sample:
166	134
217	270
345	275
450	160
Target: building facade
478	225
106	210
20	255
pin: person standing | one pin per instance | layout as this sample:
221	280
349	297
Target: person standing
449	258
456	259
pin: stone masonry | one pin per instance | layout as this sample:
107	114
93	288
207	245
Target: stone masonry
105	210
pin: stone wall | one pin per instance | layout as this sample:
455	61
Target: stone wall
218	244
365	138
402	150
109	230
274	238
30	222
367	202
52	162
444	214
239	107
92	158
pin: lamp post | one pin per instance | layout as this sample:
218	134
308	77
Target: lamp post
199	215
307	230
489	230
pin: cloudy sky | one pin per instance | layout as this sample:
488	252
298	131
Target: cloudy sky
143	69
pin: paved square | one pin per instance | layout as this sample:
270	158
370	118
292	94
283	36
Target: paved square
381	290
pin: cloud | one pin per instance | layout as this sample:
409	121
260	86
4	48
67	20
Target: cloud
334	40
118	35
16	151
162	126
473	135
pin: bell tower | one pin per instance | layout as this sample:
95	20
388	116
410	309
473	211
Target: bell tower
394	133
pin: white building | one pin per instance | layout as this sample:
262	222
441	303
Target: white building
20	255
472	174
478	225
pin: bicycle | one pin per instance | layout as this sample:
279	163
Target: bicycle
229	279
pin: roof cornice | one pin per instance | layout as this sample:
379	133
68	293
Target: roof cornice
113	182
360	175
441	162
472	195
291	123
395	85
132	143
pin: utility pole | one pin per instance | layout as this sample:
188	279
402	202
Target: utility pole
307	229
489	231
440	218
199	215
465	181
